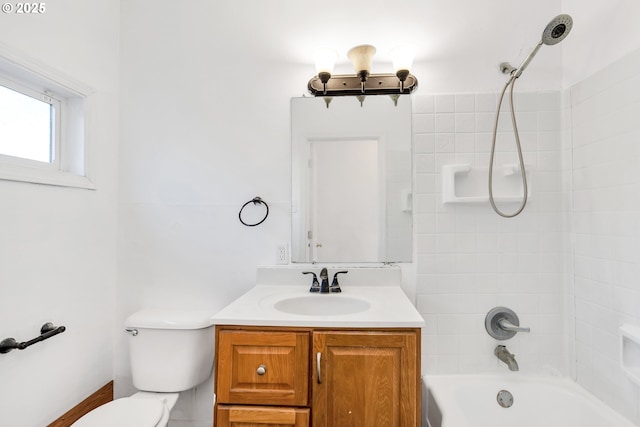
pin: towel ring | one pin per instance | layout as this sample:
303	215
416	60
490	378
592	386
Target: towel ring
255	201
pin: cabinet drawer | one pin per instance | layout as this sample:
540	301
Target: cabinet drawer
253	416
263	368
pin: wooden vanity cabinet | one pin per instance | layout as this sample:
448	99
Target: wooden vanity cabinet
317	377
263	367
368	378
256	416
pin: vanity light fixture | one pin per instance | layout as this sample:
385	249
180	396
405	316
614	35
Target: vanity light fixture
361	58
402	57
363	82
325	60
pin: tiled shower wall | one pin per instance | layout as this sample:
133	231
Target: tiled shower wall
469	259
606	224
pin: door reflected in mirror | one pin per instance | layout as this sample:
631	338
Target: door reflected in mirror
351	182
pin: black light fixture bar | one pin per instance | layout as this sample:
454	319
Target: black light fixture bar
350	85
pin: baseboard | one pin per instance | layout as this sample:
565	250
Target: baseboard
103	395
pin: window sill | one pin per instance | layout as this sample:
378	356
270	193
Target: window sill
45	177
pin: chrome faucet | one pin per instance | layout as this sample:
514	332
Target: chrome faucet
505	356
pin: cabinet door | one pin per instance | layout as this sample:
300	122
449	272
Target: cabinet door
263	368
366	379
257	416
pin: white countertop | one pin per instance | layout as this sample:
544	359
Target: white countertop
389	307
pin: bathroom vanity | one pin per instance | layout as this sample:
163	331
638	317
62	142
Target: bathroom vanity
285	357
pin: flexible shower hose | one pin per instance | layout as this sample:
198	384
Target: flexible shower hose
511	83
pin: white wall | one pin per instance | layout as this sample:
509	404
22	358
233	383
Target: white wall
601	69
57	251
202	133
606	208
603	32
469	259
205	118
604	165
204	127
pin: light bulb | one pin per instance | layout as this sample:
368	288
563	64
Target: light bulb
402	57
325	60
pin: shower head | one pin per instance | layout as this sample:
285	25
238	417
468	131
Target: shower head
554	33
557	30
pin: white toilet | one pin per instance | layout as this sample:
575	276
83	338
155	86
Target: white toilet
170	351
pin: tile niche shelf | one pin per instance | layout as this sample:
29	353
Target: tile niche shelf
463	183
630	351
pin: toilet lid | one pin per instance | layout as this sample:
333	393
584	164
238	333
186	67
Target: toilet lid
124	412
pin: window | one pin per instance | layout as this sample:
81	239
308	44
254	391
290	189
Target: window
29	123
42	125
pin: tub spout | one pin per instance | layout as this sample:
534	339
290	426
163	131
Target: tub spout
505	356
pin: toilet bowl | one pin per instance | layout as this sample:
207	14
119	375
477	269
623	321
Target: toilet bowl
143	409
169	351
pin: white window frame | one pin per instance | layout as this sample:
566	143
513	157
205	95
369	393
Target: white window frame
47	98
72	99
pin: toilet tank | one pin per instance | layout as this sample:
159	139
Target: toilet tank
172	350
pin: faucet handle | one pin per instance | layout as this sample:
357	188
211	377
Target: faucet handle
502	323
315	285
335	286
510	327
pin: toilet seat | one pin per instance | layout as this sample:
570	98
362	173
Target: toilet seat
125	412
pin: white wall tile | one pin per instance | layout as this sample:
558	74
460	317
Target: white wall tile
549	101
464	103
423	104
486	102
426	243
541	251
548	121
485	121
425	163
445	103
465	143
478	260
527	101
445	142
423	123
606	231
424	143
465	122
444	123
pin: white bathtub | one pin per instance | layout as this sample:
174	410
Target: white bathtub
471	401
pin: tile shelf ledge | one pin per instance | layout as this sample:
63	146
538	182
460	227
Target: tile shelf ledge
462	183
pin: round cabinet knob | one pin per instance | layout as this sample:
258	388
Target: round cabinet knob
262	369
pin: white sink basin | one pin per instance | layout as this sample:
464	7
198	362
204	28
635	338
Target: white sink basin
322	305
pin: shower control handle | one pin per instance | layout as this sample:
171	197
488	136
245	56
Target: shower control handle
502	323
510	327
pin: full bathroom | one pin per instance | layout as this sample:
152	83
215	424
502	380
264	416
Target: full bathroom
187	133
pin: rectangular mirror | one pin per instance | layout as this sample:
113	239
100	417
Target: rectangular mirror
351	182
